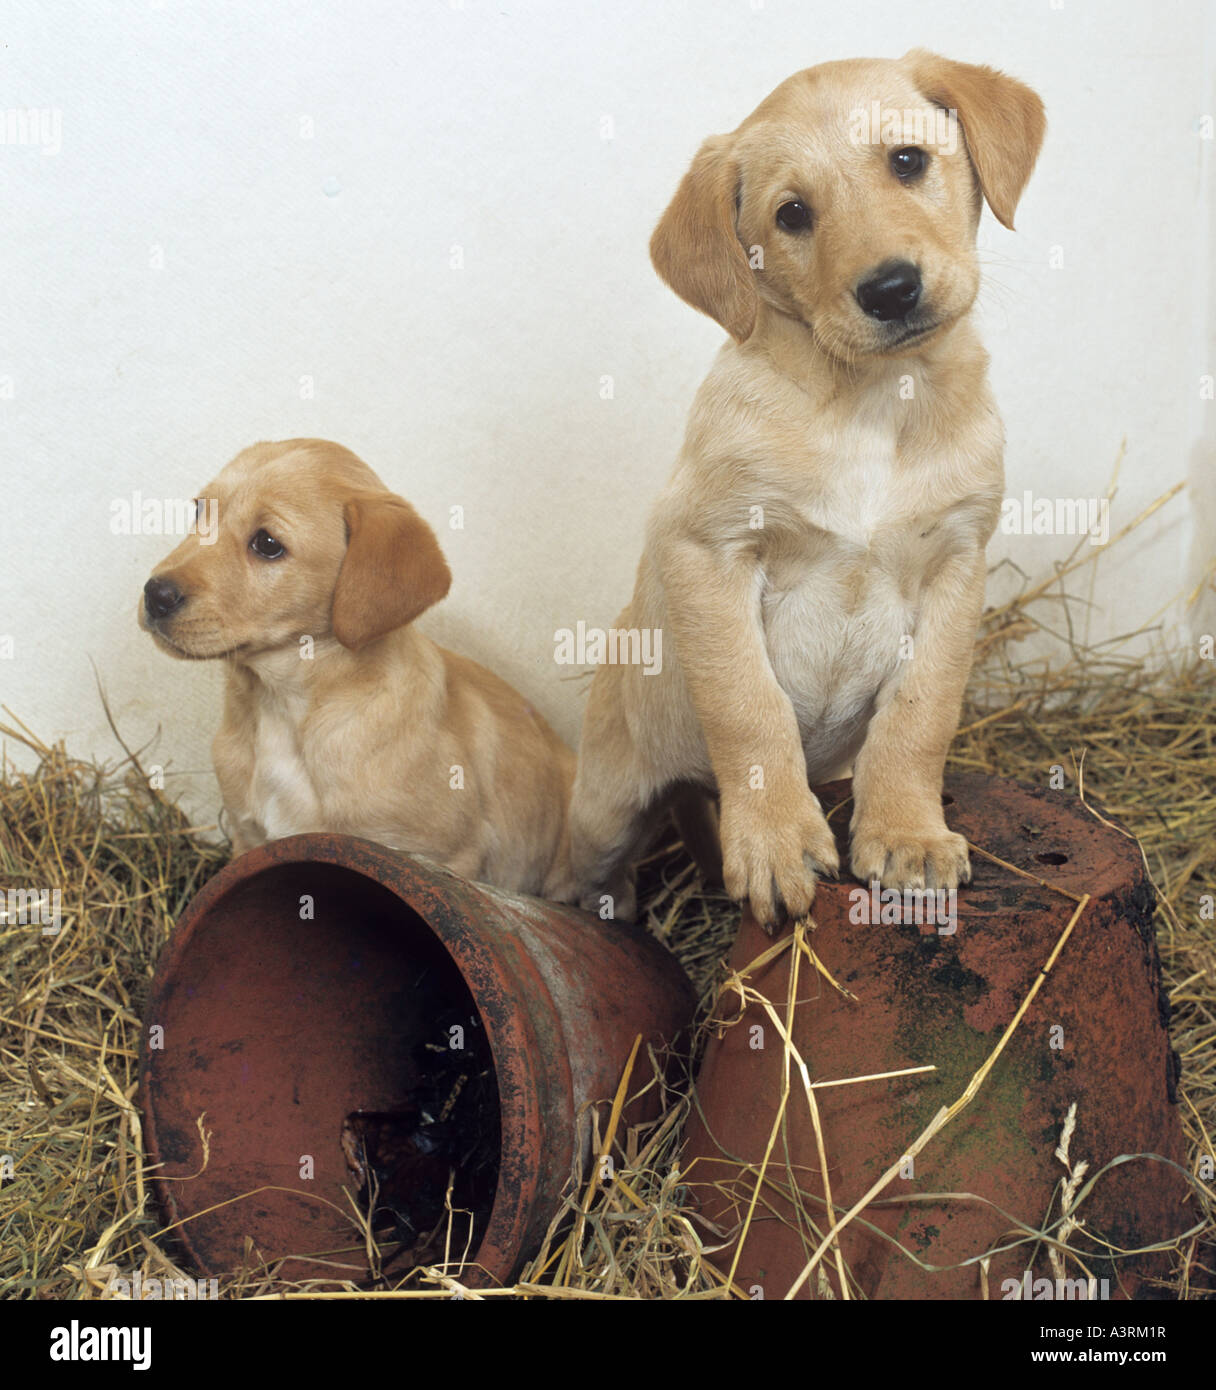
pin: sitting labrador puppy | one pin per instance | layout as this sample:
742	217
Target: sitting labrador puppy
339	715
816	562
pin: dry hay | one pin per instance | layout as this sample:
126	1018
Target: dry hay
77	1207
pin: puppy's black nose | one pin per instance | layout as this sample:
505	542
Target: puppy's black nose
161	597
891	292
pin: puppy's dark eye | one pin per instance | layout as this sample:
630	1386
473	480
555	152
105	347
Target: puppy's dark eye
794	217
907	163
265	545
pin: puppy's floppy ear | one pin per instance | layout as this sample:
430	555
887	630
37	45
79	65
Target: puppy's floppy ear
1002	119
695	247
393	569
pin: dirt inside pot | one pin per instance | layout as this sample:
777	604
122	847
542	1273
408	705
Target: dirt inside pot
427	1169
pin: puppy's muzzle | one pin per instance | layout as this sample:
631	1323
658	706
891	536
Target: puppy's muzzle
161	598
891	292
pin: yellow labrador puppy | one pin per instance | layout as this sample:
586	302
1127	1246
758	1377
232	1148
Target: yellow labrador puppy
339	715
816	562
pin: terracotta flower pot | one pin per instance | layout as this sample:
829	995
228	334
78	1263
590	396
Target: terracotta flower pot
348	1016
940	994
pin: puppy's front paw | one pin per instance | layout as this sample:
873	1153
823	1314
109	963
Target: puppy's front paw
899	858
772	848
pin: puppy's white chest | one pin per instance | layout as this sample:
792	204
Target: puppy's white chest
840	599
284	800
860	493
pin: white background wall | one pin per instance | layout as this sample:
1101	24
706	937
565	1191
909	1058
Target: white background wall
248	195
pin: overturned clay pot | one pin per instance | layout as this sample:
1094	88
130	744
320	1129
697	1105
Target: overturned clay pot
351	1027
940	993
